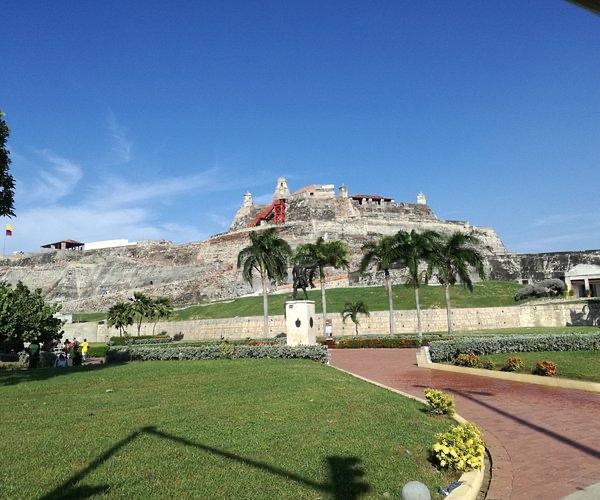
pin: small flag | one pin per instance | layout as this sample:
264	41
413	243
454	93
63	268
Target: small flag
8	230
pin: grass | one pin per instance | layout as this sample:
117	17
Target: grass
89	317
210	429
486	294
578	365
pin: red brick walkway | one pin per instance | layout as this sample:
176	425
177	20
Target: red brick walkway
544	442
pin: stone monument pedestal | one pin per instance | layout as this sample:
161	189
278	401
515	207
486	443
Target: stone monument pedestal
300	322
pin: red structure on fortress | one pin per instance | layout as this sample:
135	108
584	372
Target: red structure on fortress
274	212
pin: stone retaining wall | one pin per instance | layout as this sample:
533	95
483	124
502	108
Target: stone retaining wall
434	320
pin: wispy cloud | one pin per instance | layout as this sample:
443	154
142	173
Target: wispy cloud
117	191
121	145
86	223
55	180
552	219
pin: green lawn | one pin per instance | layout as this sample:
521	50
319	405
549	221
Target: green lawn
579	365
85	317
486	294
210	429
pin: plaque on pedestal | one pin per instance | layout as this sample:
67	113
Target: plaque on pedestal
300	322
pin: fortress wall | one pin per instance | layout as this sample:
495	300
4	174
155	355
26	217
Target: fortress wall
539	266
433	320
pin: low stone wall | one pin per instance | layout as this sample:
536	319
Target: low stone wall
433	320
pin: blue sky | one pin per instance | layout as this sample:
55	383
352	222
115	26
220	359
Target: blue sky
148	120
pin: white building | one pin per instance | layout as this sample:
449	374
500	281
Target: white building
96	245
584	280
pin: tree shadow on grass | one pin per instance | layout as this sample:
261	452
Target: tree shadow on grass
344	481
14	377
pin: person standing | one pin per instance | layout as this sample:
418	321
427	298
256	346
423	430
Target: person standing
34	355
85	346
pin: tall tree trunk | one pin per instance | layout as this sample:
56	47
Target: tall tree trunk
388	284
154	328
356	329
263	280
323	305
418	307
448	309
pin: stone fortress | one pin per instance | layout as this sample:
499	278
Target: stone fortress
92	280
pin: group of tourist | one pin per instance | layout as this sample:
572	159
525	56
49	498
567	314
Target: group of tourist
74	351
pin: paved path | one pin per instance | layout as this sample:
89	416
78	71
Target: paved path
544	441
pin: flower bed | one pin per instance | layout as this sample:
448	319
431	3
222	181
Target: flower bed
380	342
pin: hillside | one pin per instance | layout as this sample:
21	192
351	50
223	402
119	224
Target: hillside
485	294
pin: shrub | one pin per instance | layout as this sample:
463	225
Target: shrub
439	403
513	364
26	317
461	448
545	288
214	351
177	337
471	360
545	369
446	350
379	342
487	364
228	350
9	357
47	359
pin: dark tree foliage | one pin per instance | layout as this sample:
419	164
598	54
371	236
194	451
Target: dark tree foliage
7	183
26	317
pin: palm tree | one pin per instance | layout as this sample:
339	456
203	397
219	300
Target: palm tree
451	260
324	254
268	254
352	310
412	249
120	316
382	254
161	308
141	308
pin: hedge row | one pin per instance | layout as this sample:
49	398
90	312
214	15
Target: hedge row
445	350
382	342
214	351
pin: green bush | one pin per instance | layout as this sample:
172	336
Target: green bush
214	351
545	369
461	448
468	359
513	364
26	317
380	342
487	364
446	350
228	350
439	403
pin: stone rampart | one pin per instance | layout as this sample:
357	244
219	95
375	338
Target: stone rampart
433	320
